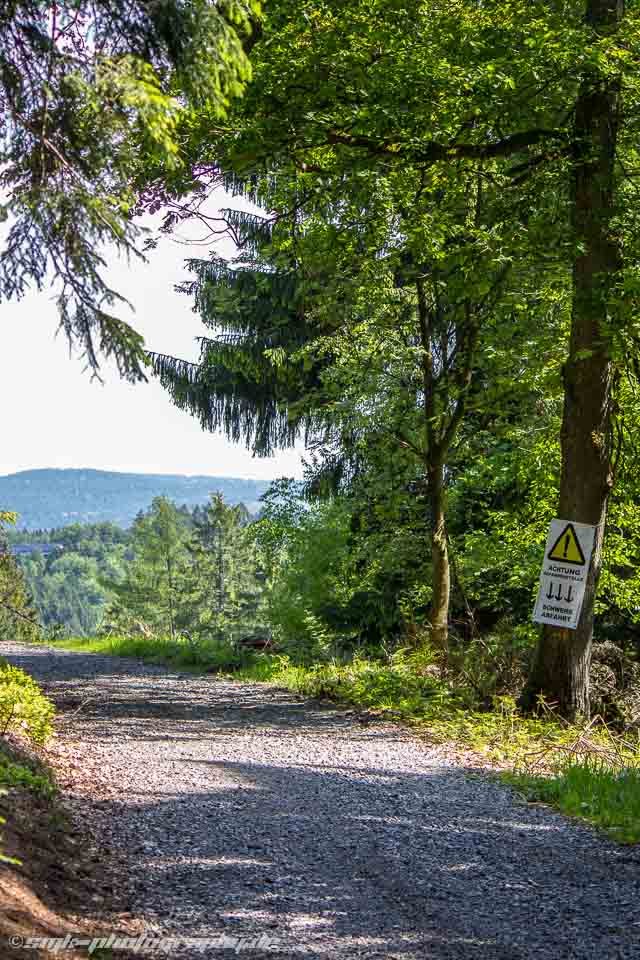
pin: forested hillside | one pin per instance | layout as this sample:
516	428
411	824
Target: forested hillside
171	571
53	498
63	570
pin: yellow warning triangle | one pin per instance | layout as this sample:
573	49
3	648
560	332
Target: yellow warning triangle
567	547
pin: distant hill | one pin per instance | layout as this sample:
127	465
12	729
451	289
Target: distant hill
55	498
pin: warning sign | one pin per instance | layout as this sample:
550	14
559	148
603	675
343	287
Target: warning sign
564	573
567	547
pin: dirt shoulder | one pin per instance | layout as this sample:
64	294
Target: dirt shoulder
65	882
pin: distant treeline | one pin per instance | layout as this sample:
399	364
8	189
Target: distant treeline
80	576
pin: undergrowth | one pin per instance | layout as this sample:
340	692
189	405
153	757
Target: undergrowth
210	656
24	709
23	706
16	774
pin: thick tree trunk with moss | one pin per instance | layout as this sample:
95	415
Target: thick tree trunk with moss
441	575
561	670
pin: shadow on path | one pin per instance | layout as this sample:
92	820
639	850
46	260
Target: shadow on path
248	811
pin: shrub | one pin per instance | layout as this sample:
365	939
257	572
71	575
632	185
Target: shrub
615	686
405	684
23	706
493	664
13	774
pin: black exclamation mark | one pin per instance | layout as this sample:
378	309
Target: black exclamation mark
566	545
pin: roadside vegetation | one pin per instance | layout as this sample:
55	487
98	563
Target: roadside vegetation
588	770
26	713
53	878
604	793
24	709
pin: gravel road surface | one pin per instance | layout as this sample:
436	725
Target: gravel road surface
247	811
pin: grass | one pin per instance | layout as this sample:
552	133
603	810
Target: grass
606	796
585	772
201	657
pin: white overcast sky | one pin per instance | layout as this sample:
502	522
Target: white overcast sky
55	416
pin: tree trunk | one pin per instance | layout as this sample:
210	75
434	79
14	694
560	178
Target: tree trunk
172	625
561	670
435	452
441	575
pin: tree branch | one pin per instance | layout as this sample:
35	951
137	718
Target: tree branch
433	152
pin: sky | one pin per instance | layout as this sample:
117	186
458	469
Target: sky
56	416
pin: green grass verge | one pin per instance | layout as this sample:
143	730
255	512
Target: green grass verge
605	795
201	657
407	687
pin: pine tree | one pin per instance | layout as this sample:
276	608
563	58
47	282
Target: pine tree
249	381
150	592
221	592
92	96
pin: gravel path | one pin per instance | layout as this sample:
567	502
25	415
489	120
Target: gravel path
249	811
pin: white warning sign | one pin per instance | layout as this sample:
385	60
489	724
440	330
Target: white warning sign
564	573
